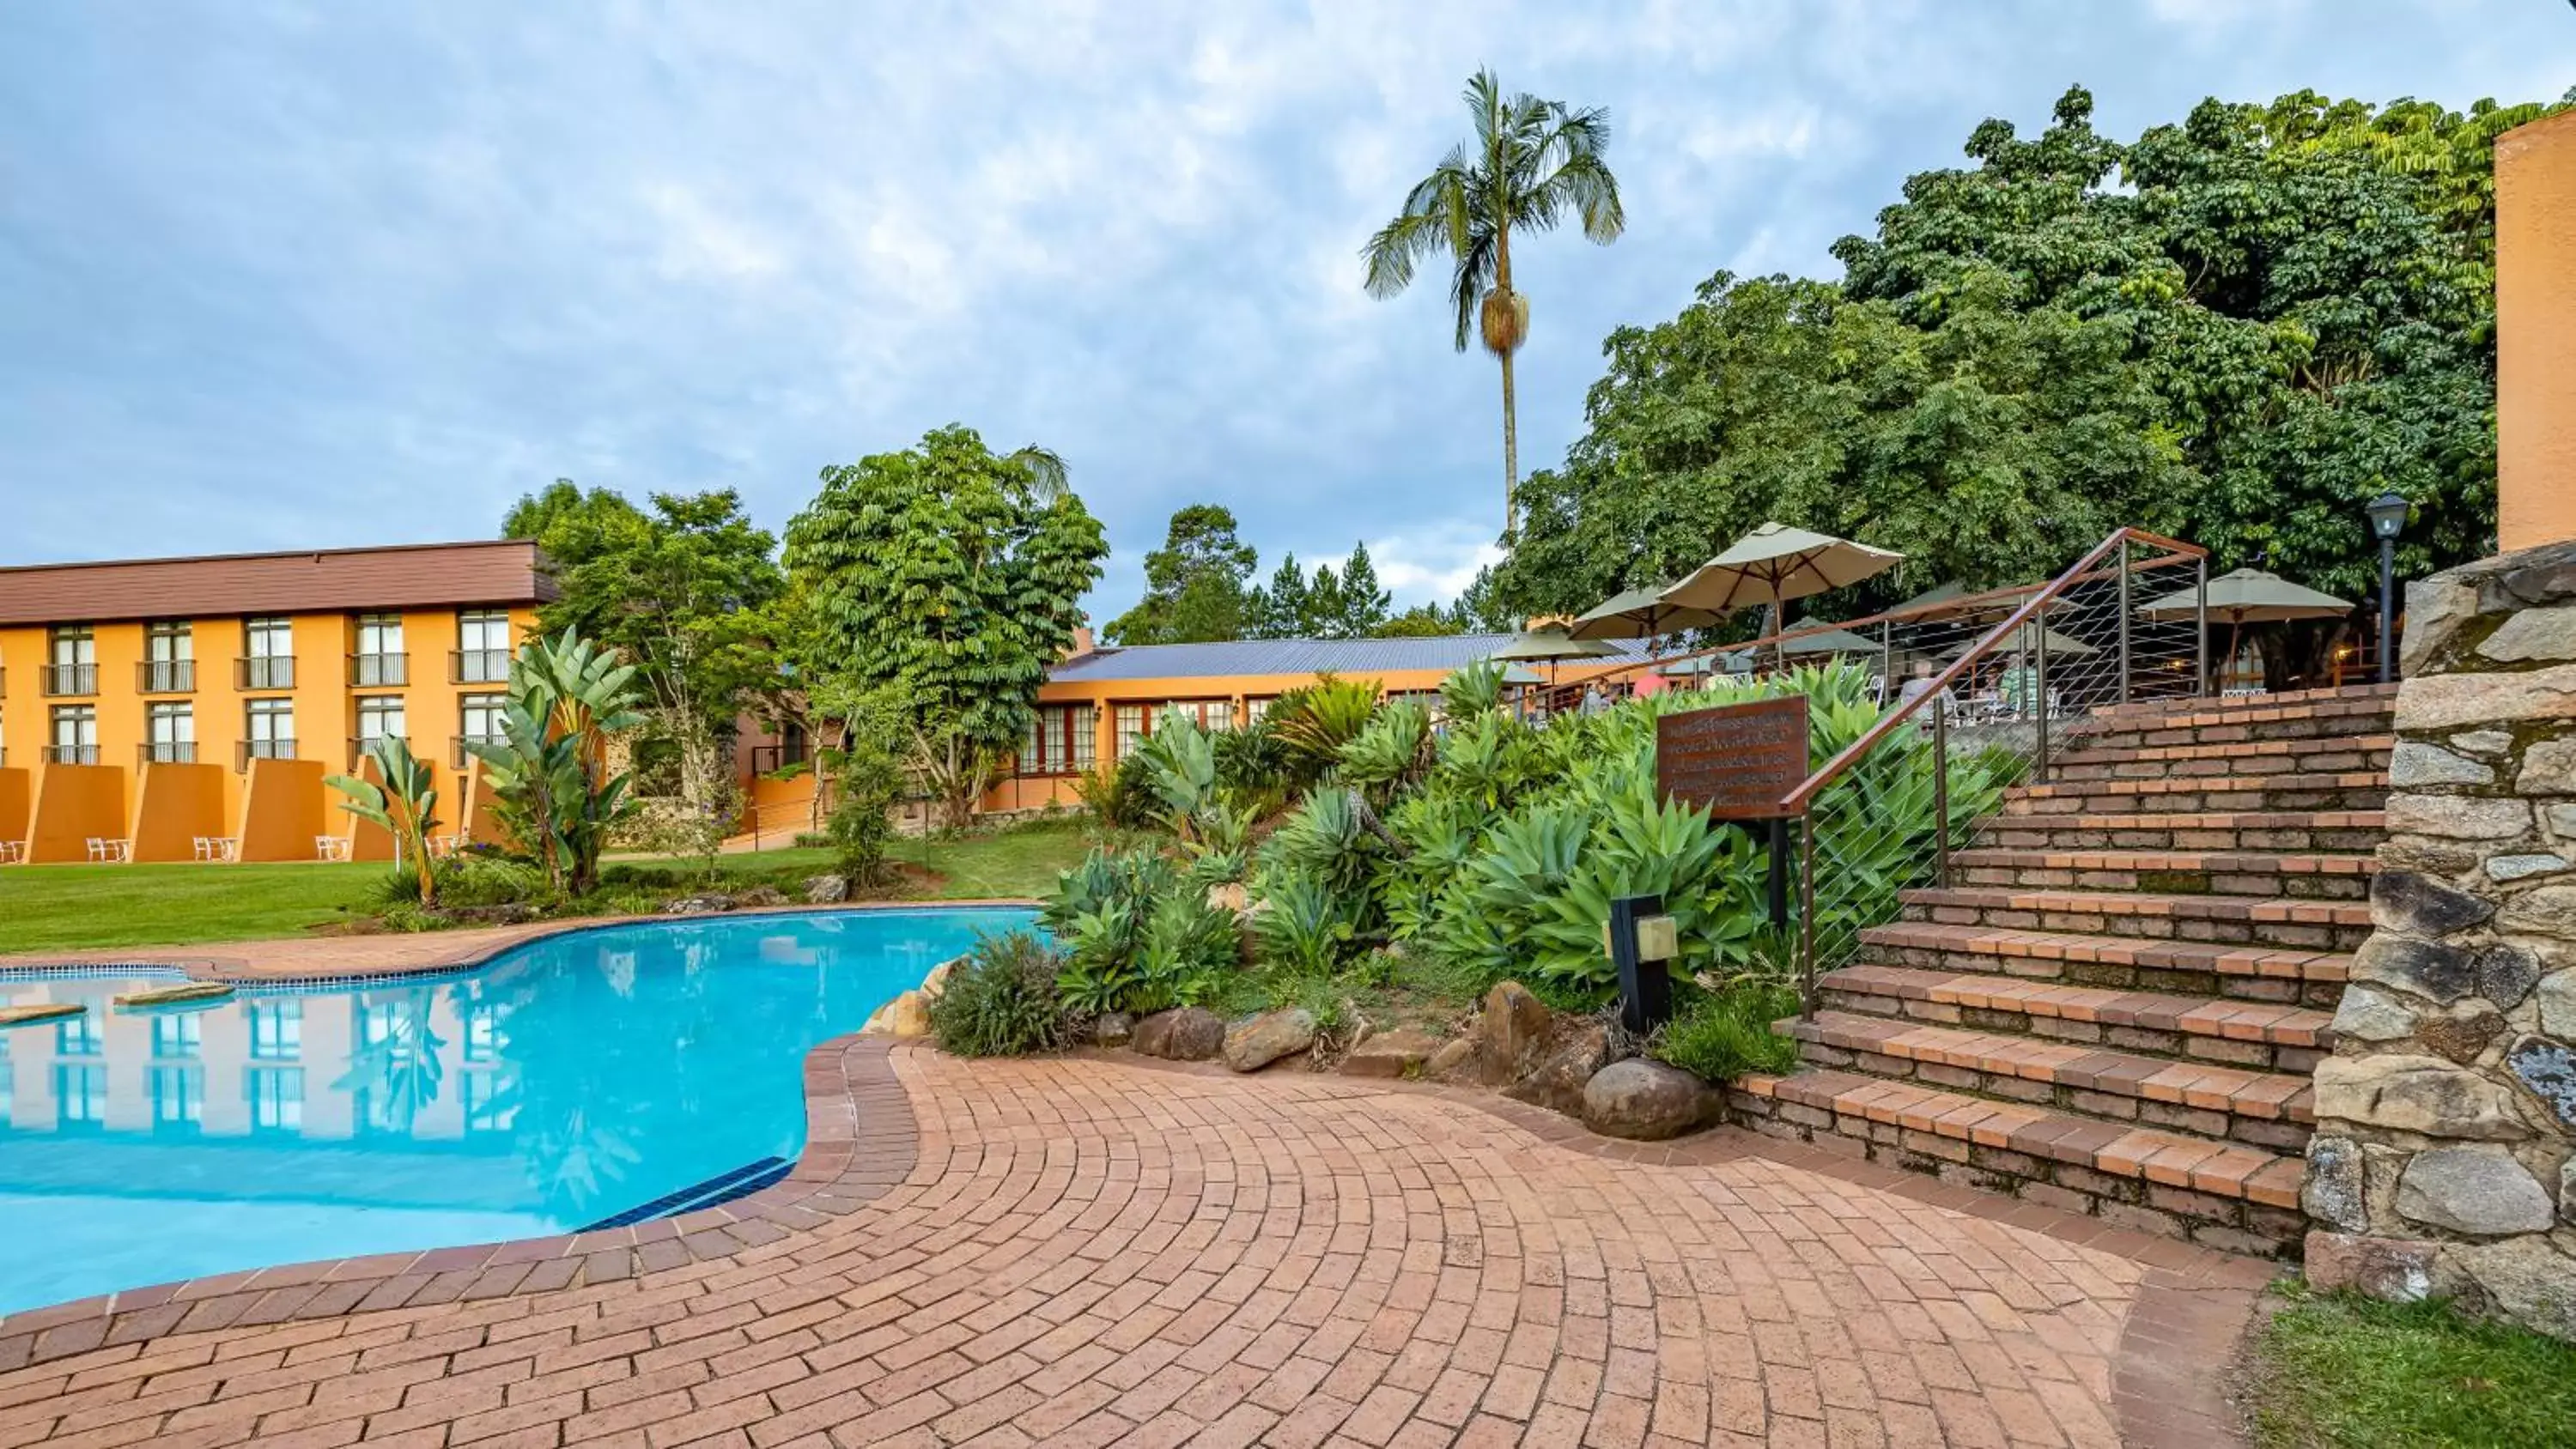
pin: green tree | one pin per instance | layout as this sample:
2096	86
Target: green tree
1194	583
1531	164
950	574
679	592
1422	621
1363	604
1280	609
403	801
551	790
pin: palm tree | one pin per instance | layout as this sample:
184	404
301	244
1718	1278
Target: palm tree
1532	162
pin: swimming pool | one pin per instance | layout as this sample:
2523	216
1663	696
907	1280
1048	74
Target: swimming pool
577	1080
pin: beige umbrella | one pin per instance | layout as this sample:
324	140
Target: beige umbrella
2242	597
1776	563
1641	614
1828	641
2028	637
1549	643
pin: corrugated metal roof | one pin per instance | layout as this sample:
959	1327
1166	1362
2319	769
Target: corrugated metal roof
403	576
1346	657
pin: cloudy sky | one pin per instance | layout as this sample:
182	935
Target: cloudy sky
287	274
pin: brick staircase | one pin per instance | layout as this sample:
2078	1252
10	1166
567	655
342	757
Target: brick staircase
2114	1006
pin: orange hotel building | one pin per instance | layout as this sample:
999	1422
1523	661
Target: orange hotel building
166	702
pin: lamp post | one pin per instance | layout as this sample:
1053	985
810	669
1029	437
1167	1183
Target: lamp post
2387	520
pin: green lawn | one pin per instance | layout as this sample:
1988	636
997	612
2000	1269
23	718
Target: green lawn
93	907
2347	1372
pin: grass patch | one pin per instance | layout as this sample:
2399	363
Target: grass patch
101	907
2347	1372
1722	1035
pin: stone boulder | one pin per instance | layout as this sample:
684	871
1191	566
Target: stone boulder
2333	1193
1258	1041
1397	1053
757	896
1113	1028
1510	1034
1453	1054
1558	1082
827	890
2480	1191
1185	1034
1646	1101
2444	973
697	905
904	1018
2402	900
2369	1014
2397	1270
2533	1283
2416	1094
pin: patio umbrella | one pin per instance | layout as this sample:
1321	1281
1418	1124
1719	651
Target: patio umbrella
2246	596
1776	563
1549	643
1640	614
2028	637
1829	641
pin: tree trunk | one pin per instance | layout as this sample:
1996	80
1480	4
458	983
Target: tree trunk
1511	453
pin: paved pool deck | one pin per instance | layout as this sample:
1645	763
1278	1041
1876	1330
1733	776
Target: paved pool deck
1092	1250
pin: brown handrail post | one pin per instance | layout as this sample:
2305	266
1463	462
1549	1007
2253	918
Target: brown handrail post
2039	688
1886	660
1807	915
2200	626
2124	623
1941	794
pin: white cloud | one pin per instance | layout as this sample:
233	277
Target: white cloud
1431	565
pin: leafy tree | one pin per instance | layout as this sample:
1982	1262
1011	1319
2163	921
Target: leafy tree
405	805
678	591
1281	608
566	697
1194	583
1532	163
949	574
1422	621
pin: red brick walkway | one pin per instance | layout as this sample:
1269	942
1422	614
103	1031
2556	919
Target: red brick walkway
1088	1251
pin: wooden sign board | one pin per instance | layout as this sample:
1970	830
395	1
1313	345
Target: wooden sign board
1738	760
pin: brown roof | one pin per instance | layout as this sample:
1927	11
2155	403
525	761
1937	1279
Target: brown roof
404	576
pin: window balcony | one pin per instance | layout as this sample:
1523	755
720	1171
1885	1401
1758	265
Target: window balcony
165	676
372	671
166	752
478	666
264	671
62	679
245	751
71	754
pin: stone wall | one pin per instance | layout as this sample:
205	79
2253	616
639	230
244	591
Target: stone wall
2444	1160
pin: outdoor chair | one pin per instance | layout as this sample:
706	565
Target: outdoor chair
105	850
330	847
12	851
216	847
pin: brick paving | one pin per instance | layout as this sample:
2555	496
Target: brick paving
1091	1251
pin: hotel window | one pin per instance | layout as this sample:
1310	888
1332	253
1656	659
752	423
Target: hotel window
379	660
479	723
75	735
482	1033
482	647
268	654
71	660
380	717
78	1036
171	737
169	659
276	1098
177	1038
1257	710
1135	721
80	1097
1060	741
1131	728
268	729
178	1098
276	1030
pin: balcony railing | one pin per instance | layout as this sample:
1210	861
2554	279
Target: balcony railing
245	751
460	757
478	666
264	671
165	676
71	679
359	746
166	752
768	759
369	670
71	754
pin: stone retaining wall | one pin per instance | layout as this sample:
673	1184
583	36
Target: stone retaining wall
2444	1160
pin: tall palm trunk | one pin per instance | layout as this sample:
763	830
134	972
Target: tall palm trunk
1511	428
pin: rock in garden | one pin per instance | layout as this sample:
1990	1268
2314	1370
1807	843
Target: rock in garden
2369	1014
2444	973
1397	1053
827	890
2548	1068
906	1016
2415	763
2506	975
1230	897
759	896
2533	634
1256	1043
1645	1101
1453	1054
2532	1283
936	982
2401	900
1558	1082
2416	1094
2395	1270
2462	1038
1510	1033
1113	1028
698	905
2333	1193
1184	1034
2477	1190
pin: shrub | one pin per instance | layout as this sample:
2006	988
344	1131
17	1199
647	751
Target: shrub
1307	927
1000	1000
1182	954
1722	1035
861	828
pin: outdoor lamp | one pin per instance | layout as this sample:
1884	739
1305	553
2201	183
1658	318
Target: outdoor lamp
2387	520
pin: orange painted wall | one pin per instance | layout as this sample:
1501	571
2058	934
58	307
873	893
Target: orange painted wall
2535	179
16	787
282	810
72	804
175	804
325	703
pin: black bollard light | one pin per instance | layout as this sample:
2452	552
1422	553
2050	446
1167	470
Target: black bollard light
1642	939
2387	520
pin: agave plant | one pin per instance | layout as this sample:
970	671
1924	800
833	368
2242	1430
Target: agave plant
1312	723
405	805
1306	927
1391	752
1472	689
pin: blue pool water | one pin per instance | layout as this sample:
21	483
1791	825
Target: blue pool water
572	1081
